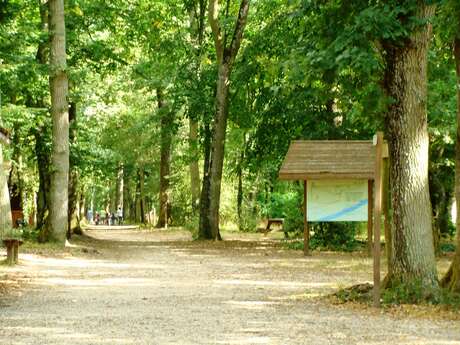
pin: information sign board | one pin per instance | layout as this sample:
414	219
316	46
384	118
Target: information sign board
337	200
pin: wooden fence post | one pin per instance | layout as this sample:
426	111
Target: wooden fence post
378	142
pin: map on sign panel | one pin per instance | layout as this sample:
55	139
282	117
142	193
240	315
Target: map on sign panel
337	200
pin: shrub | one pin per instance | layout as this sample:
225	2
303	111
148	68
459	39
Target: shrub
11	233
334	236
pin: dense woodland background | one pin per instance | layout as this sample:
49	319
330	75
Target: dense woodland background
150	108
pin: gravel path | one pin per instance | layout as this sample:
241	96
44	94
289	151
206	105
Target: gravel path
160	288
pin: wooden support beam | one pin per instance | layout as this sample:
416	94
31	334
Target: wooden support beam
377	216
386	210
306	231
370	212
10	254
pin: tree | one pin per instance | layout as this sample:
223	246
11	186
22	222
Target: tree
197	13
73	220
405	82
60	117
166	123
452	278
5	207
226	54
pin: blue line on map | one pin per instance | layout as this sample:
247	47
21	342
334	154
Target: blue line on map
343	212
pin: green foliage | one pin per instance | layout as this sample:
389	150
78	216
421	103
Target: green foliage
293	244
329	236
415	292
11	234
306	70
339	236
358	293
410	293
448	247
30	234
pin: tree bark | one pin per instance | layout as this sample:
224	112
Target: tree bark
441	196
167	120
413	257
240	194
44	178
73	219
82	206
15	178
40	134
218	147
204	230
140	196
142	208
197	27
5	208
194	169
60	118
451	280
127	214
226	56
119	188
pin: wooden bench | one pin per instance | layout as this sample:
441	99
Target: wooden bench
273	221
12	250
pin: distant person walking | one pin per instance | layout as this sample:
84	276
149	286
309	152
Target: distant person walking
120	215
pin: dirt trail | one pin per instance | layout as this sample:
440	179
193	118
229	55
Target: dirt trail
160	288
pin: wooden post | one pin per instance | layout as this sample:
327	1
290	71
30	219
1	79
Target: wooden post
16	252
385	210
370	209
378	142
10	253
306	231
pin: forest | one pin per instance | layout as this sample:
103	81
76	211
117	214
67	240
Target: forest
181	112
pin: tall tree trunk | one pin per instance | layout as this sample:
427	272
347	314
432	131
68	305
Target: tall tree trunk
452	278
137	202
406	82
44	178
226	56
167	121
197	27
60	118
194	169
5	208
140	197
218	147
15	179
240	195
127	214
73	218
119	188
42	153
204	231
82	205
441	196
142	208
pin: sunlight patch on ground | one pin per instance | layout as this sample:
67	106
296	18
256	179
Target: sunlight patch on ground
253	305
61	334
246	340
122	281
417	341
284	284
71	262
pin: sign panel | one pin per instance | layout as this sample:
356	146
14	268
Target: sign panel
337	200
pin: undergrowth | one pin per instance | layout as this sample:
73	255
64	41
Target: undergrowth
413	293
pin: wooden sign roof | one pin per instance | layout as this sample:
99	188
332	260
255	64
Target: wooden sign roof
329	159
